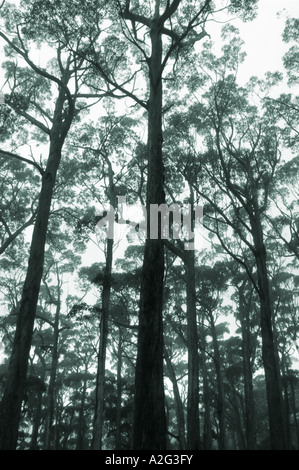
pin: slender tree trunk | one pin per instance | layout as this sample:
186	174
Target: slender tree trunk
149	414
101	372
106	294
38	412
207	433
237	408
193	437
119	392
13	394
81	419
287	414
188	258
10	409
248	376
37	420
51	389
220	388
178	402
269	356
294	410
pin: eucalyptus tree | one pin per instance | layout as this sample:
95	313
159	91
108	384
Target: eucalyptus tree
150	423
235	170
58	263
166	34
155	33
211	281
110	139
32	86
176	343
247	317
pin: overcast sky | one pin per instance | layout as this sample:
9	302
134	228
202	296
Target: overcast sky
263	37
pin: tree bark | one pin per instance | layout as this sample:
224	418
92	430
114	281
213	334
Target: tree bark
149	417
81	418
220	388
247	369
207	432
38	410
294	411
49	439
193	435
119	391
101	372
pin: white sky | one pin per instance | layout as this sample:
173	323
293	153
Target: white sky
263	37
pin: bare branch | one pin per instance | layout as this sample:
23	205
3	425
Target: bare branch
116	85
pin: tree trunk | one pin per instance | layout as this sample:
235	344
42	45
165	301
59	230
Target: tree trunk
13	394
207	432
178	402
49	440
193	436
81	418
106	294
269	356
11	404
247	369
119	392
149	417
220	388
237	412
101	372
10	409
286	400
38	412
294	411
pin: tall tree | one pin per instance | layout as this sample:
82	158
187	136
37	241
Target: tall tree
28	101
149	421
242	172
156	30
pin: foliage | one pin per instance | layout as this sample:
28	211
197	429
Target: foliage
229	147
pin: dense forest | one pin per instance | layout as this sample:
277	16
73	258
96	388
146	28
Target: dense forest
149	229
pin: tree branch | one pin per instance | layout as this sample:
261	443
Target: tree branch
175	250
39	71
27	116
117	86
14	235
169	11
26	160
